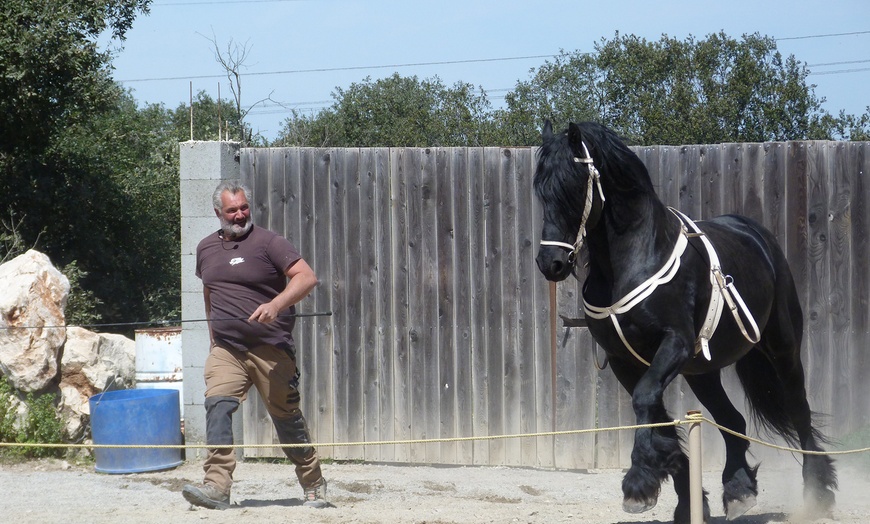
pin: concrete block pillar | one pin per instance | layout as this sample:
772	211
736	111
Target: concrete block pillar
202	166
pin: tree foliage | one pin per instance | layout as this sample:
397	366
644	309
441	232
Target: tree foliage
395	111
672	91
52	71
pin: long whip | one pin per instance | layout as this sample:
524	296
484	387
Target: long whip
167	322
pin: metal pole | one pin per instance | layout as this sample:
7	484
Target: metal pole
553	369
696	488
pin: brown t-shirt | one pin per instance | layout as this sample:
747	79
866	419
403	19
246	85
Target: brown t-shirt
240	275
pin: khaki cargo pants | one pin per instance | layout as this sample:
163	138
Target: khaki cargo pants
229	374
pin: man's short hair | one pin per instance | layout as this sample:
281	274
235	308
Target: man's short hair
233	186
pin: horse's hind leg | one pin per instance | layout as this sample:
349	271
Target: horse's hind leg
773	377
738	478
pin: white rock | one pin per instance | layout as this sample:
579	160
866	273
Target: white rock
32	302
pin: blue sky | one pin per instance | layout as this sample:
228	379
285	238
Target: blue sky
485	43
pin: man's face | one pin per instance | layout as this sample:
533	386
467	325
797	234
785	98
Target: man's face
234	214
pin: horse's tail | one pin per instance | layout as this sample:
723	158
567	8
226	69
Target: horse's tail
766	395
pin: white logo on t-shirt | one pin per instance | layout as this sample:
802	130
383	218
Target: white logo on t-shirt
237	260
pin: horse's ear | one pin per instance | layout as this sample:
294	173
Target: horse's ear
575	137
547	132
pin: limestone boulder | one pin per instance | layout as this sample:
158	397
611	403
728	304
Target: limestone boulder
92	363
32	302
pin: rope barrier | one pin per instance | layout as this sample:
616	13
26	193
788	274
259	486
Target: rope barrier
781	448
347	444
691	418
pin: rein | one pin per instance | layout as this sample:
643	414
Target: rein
723	285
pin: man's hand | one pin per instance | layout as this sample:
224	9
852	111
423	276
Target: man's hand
265	313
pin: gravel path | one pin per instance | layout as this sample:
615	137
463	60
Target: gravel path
51	491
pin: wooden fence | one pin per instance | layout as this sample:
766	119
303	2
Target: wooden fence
442	326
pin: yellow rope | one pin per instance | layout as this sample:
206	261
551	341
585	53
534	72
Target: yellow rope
782	448
691	418
348	444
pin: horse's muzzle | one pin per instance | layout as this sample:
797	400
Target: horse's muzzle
555	263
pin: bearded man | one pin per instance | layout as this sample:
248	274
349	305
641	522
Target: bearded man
252	279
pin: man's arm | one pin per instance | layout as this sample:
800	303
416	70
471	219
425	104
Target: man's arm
301	281
206	295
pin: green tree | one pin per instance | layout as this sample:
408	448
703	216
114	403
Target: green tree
52	71
395	111
674	92
63	143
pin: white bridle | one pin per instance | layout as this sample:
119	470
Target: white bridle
594	178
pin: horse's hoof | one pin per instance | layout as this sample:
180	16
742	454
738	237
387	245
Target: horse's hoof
638	506
737	507
819	504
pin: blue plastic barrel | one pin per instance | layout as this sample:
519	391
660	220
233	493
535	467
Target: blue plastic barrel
136	417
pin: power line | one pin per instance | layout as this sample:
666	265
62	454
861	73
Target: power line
351	68
822	36
838	71
216	2
839	63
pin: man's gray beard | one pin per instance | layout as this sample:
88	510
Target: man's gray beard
232	230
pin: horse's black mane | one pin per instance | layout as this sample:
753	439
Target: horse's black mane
560	181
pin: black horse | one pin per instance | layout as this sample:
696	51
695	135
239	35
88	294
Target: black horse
654	297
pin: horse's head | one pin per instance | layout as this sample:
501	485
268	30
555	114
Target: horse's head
567	185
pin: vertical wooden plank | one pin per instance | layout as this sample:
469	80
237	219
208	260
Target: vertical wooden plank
752	182
400	290
525	271
445	270
277	199
386	333
418	326
858	170
258	183
428	343
840	292
316	170
368	353
774	180
731	190
479	262
463	305
338	193
422	278
311	347
567	449
796	231
690	181
711	181
541	341
254	414
511	372
818	363
493	279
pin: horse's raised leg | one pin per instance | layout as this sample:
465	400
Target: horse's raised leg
740	487
656	452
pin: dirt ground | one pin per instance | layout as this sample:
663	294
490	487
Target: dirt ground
54	491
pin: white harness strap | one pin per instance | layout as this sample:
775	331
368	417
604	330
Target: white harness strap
641	292
723	288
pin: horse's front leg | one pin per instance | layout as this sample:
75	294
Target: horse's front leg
657	452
